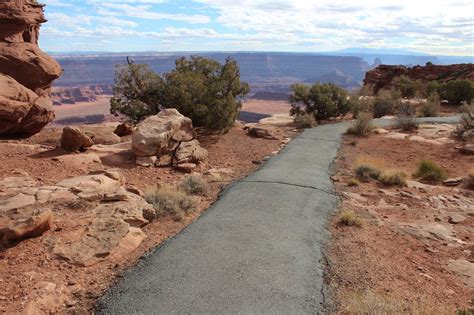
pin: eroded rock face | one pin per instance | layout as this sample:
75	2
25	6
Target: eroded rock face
382	76
161	134
165	139
26	73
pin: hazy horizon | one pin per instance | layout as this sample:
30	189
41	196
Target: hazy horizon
443	28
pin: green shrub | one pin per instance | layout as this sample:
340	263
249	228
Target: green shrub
305	120
408	87
465	130
393	179
430	172
431	107
349	218
194	185
170	200
359	105
202	89
206	91
322	100
362	125
457	91
385	103
433	87
406	117
137	92
366	172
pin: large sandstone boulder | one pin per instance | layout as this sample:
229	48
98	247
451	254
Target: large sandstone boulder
26	73
161	134
74	139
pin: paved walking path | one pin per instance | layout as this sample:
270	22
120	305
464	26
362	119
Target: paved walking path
258	249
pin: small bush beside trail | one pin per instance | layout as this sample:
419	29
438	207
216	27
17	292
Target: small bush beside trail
322	100
305	120
362	125
393	179
366	172
406	117
430	172
386	103
194	185
431	107
169	200
349	218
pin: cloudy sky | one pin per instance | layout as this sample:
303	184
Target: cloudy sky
442	27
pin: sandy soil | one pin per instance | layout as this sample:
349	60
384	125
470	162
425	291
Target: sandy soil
100	107
27	266
380	266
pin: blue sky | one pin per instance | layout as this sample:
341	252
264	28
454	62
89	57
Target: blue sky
442	27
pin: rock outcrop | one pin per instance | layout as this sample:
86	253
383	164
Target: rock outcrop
26	73
166	138
113	211
382	76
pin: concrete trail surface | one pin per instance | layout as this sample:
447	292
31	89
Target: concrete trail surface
258	249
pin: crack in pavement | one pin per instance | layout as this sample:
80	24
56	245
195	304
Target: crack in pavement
319	139
289	184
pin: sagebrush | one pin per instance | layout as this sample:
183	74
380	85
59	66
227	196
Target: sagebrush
194	185
170	200
362	126
430	172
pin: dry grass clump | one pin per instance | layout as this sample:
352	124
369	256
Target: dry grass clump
465	129
431	107
429	171
393	179
353	182
305	120
370	302
406	117
367	172
349	218
362	125
170	200
194	185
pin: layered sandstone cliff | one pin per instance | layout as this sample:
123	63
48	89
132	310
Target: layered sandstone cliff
26	73
381	77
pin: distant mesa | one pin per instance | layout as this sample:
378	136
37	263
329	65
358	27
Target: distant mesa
26	73
382	76
89	93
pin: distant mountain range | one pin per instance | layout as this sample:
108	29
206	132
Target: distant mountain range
266	72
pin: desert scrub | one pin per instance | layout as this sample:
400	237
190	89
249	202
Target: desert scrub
194	185
465	130
349	218
362	125
305	120
353	182
370	302
385	103
431	107
393	179
367	172
428	171
406	119
170	200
